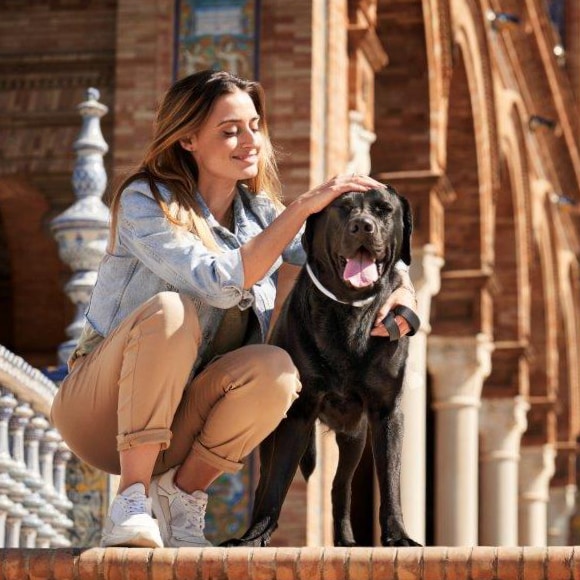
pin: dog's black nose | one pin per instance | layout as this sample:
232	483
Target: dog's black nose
361	225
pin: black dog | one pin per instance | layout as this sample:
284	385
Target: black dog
350	379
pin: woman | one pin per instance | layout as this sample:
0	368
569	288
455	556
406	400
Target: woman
171	384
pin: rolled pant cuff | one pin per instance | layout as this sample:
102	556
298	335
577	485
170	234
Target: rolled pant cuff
147	437
214	460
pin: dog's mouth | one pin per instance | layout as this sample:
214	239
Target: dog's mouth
361	270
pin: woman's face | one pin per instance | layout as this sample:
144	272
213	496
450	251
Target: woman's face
227	147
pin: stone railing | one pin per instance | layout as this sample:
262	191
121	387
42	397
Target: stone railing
33	459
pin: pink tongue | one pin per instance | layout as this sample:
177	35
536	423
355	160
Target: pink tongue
360	271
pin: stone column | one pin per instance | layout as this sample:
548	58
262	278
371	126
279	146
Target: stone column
458	365
537	467
502	423
81	231
48	446
61	458
425	271
28	531
32	435
5	506
560	510
13	524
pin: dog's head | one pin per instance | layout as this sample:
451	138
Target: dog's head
354	242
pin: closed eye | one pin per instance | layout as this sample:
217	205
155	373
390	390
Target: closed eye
382	208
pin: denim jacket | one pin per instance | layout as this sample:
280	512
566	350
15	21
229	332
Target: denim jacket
151	256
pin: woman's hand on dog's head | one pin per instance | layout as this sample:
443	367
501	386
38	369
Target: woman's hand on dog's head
318	198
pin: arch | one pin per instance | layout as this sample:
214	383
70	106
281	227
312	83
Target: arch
543	342
38	306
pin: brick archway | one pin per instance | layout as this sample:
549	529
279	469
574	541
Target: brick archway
33	304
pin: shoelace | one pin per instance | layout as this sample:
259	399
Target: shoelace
195	508
135	505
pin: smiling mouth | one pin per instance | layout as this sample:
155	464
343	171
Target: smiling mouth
361	270
253	158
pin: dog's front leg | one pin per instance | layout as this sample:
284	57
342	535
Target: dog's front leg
350	450
387	443
280	455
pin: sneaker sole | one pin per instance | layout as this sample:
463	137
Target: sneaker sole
132	540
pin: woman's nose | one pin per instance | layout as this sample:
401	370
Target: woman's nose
250	138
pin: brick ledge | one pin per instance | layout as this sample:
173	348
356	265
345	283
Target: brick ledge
432	563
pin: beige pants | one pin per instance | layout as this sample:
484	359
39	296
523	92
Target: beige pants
132	390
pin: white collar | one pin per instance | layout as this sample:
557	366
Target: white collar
326	292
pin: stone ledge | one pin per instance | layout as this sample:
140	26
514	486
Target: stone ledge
432	563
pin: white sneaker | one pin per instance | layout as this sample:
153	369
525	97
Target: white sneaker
181	515
129	521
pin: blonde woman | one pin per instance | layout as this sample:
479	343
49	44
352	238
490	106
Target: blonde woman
171	383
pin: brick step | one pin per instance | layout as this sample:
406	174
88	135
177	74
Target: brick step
432	563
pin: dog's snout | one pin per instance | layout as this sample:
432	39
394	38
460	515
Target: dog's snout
361	225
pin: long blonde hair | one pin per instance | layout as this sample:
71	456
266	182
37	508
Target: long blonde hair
183	111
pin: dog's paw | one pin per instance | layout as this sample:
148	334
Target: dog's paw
400	543
345	544
245	543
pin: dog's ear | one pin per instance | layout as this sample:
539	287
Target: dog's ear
308	233
407	230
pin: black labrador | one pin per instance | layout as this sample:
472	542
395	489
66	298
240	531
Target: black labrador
350	379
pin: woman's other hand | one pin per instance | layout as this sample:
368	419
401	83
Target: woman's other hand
402	296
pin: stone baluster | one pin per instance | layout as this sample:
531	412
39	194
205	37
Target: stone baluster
7	404
44	536
5	506
81	231
29	530
48	446
61	458
459	365
32	434
13	524
18	422
19	493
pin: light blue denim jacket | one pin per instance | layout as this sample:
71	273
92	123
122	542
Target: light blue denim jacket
151	256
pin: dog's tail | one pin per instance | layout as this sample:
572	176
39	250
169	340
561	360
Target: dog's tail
308	461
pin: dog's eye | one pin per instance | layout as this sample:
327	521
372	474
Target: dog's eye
344	208
383	208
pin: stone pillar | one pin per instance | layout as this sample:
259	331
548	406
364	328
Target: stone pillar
32	435
537	467
81	231
61	458
28	531
502	423
458	365
18	422
13	524
560	510
48	446
5	506
425	271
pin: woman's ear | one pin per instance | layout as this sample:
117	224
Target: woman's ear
189	143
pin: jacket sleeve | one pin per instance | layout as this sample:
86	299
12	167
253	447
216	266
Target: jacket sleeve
294	253
179	257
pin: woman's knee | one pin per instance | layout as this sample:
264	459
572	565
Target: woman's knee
280	380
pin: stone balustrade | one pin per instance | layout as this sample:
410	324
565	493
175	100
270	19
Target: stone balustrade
33	457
